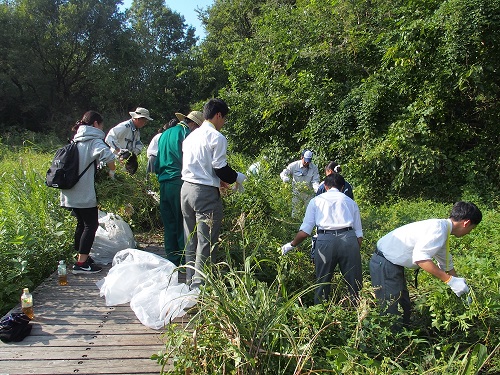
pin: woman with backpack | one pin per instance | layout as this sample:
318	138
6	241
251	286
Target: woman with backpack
81	199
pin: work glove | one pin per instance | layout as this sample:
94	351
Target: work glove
111	174
240	178
286	248
124	154
238	186
458	285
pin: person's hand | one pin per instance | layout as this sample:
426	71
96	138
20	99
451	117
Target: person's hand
458	285
124	154
286	248
238	187
240	178
111	174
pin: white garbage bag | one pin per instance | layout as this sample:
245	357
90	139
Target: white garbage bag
113	235
150	283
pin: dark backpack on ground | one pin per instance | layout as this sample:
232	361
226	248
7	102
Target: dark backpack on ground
63	172
15	327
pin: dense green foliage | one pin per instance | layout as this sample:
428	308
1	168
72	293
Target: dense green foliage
404	94
256	316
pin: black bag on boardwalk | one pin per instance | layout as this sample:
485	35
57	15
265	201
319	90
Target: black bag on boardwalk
63	172
15	327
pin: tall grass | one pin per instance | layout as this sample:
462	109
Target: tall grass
256	316
35	232
32	235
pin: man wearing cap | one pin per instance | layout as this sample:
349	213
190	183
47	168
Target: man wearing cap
204	169
305	176
125	138
168	167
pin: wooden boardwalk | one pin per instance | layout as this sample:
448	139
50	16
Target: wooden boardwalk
74	332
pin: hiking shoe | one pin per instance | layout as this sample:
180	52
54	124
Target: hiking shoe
86	268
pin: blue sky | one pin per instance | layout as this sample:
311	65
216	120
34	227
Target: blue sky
187	9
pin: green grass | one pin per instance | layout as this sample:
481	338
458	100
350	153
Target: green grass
255	314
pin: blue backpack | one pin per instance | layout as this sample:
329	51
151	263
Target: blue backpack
63	172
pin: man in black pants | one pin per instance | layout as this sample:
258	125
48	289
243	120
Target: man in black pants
339	238
415	245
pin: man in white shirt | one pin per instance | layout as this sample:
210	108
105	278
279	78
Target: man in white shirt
305	179
340	234
415	245
204	166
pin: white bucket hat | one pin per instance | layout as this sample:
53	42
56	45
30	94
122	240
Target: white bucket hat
141	112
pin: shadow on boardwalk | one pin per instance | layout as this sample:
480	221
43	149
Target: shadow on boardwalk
74	332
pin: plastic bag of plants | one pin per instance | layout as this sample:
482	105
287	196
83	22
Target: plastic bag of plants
113	235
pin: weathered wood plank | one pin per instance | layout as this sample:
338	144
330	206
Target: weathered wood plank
105	366
78	353
75	332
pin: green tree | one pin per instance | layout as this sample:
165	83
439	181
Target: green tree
160	35
54	45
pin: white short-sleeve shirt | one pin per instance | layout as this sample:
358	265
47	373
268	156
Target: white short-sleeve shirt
331	211
202	152
414	242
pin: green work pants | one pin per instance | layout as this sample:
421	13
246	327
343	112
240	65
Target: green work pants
171	215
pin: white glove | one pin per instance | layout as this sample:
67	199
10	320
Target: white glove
240	178
238	187
286	248
111	174
458	285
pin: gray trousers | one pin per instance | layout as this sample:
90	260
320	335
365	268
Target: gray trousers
201	207
341	249
389	282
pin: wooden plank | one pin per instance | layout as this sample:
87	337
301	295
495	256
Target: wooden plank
82	366
75	332
78	353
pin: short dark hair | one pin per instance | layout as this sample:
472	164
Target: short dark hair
214	106
466	211
334	180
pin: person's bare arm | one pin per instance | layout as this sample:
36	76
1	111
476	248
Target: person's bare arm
430	266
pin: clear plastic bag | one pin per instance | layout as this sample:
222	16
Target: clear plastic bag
150	283
113	235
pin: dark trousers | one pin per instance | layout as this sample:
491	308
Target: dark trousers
173	223
389	282
86	226
341	249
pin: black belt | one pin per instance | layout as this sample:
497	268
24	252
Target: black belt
378	252
334	231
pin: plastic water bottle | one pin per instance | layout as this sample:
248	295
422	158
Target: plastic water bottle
27	303
62	273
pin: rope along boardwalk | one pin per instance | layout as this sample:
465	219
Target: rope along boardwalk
74	332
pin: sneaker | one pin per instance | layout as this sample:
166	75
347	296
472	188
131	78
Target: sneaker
86	268
89	259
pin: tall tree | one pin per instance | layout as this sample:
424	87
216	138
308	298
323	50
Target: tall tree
160	35
58	43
